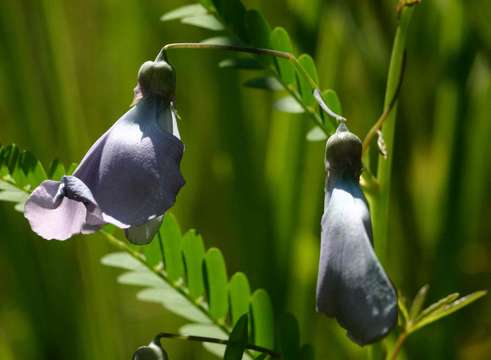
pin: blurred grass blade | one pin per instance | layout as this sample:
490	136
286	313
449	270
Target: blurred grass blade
289	337
307	352
184	11
264	83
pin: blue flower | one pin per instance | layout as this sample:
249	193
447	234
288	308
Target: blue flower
352	285
129	177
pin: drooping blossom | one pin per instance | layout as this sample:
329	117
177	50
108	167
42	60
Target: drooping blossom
352	285
129	177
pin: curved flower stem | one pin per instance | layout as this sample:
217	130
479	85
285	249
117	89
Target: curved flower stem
245	49
255	51
216	341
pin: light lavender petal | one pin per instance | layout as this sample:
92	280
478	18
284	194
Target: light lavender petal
52	216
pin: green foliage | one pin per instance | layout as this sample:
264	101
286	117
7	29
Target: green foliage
222	310
174	270
251	28
416	317
239	338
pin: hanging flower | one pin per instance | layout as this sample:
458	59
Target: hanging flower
352	285
129	178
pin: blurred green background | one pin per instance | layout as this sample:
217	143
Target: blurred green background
254	184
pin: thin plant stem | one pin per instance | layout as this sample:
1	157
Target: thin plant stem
380	121
380	202
216	341
245	49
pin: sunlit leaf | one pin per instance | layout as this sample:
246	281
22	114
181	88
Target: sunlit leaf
184	11
171	239
194	252
208	331
216	278
153	252
280	40
174	302
331	99
56	170
239	294
143	278
305	88
262	319
123	260
16	196
206	21
288	104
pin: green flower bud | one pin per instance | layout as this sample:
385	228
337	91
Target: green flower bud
152	351
157	78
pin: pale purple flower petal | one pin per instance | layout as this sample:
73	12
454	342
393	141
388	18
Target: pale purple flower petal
352	285
130	177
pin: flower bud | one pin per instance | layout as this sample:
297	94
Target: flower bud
152	351
157	78
352	285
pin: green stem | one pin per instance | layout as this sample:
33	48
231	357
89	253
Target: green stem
255	51
380	202
216	341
